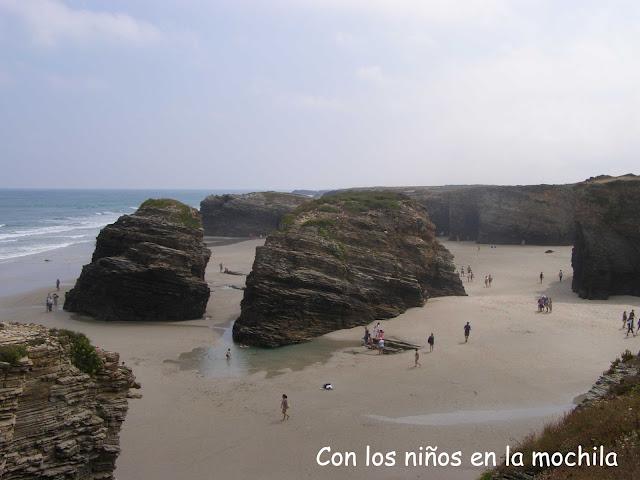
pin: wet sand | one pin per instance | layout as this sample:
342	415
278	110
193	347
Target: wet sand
202	418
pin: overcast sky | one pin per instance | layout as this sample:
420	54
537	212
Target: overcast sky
316	93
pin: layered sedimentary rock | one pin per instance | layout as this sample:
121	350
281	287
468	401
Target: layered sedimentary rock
606	252
531	214
146	266
57	422
247	215
342	261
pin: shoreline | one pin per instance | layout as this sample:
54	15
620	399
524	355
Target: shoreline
217	417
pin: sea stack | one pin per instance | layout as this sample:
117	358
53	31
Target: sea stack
62	405
248	215
146	266
343	260
606	252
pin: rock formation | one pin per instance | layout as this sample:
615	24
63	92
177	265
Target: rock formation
606	252
56	421
247	215
341	261
533	214
146	266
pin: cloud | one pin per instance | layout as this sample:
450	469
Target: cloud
436	11
372	73
51	22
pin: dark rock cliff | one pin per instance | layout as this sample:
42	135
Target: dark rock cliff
533	214
58	422
146	266
342	261
247	215
606	253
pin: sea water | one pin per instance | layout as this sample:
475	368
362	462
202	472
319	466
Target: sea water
35	221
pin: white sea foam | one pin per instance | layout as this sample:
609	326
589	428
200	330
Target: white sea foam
32	250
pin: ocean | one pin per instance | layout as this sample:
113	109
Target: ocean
35	221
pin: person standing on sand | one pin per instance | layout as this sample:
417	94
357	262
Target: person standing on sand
560	275
624	319
221	267
550	305
490	280
417	359
486	281
284	406
58	284
431	341
541	277
376	331
467	331
55	297
228	354
630	326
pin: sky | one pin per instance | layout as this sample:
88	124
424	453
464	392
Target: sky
283	94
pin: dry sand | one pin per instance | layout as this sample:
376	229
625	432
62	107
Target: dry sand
201	418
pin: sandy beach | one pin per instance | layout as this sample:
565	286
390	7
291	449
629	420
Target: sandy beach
202	418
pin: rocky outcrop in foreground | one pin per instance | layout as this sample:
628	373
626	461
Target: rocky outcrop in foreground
56	421
146	266
247	215
606	252
341	261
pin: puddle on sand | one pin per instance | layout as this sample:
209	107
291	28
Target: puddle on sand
211	361
464	417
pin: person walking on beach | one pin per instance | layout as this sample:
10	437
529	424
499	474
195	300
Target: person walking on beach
467	331
541	277
58	284
490	280
381	343
632	319
228	354
49	303
486	281
417	359
221	267
284	406
431	341
624	319
630	325
560	275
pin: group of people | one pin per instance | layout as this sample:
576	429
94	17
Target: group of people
545	304
468	273
488	280
630	323
375	340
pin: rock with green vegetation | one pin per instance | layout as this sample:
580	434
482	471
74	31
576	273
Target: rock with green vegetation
606	252
247	215
146	266
62	404
340	261
607	416
499	214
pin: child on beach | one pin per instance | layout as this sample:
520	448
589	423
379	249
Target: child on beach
417	359
284	406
